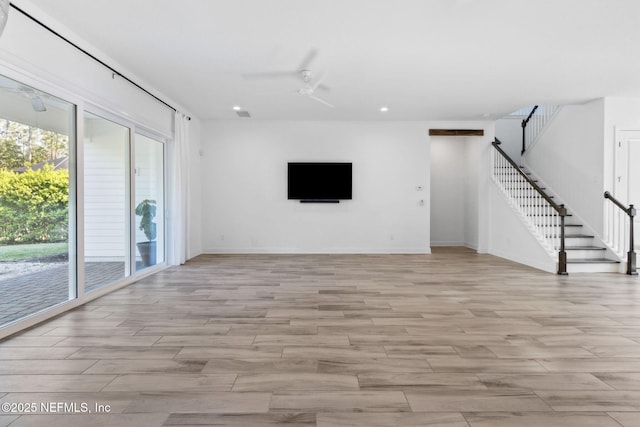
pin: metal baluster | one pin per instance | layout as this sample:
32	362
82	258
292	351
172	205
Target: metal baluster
556	230
547	223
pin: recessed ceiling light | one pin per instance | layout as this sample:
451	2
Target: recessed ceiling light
237	108
384	109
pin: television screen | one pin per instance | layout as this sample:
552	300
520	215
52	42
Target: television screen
319	181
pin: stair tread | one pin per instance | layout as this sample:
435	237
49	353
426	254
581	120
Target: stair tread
584	248
592	261
566	225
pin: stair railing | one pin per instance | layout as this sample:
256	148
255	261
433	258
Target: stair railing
616	231
534	123
524	124
545	216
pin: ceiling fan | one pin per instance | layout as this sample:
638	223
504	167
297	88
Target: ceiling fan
310	87
304	74
35	97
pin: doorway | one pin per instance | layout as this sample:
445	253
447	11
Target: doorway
627	173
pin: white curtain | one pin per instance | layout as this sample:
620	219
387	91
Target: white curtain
179	191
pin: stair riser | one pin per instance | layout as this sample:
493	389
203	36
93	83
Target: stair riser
584	254
578	241
593	268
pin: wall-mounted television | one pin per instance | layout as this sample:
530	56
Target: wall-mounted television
319	182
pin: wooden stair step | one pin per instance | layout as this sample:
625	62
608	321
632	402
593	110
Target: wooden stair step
584	248
566	225
567	215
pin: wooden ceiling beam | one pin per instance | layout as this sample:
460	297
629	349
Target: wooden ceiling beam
456	132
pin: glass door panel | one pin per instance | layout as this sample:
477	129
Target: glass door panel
106	202
37	140
149	202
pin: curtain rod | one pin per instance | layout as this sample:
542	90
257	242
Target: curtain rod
104	64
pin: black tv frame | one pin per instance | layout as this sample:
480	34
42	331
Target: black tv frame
319	200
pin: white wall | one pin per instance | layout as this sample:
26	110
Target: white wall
245	206
511	238
509	132
459	172
568	159
477	209
448	188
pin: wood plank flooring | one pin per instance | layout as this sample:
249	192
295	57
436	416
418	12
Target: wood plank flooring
449	339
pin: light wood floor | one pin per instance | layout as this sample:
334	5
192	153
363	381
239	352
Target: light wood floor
449	339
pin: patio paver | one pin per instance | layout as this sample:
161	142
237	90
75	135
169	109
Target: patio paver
27	294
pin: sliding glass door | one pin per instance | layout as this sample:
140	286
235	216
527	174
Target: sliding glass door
149	201
106	202
122	194
108	212
37	209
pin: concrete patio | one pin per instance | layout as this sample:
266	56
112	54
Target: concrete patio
32	292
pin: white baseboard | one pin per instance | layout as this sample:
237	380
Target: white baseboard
290	251
454	244
545	265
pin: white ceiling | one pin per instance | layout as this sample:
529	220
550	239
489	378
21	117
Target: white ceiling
425	59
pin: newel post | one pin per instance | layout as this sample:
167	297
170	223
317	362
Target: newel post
631	255
562	254
524	128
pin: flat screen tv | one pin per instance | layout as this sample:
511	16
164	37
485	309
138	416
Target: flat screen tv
319	182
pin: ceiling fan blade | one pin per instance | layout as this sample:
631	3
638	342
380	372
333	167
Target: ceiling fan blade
307	59
38	104
318	82
324	87
322	101
271	75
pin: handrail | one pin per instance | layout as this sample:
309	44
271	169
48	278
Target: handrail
631	212
627	210
560	209
555	206
524	126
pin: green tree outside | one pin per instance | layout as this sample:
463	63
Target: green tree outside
34	206
22	145
34	203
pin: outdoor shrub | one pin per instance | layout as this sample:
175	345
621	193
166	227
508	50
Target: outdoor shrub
34	205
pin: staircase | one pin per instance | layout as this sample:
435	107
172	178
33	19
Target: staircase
585	252
557	230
